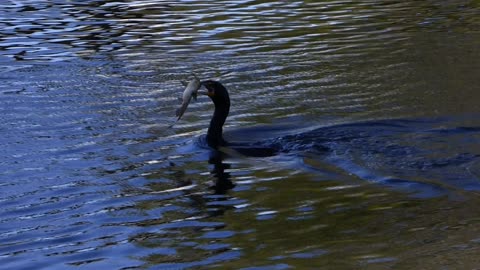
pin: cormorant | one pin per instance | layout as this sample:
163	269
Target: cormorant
219	95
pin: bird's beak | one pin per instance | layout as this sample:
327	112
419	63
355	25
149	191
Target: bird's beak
210	93
205	93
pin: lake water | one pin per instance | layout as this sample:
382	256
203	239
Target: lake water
375	106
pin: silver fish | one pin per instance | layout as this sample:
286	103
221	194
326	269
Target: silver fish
190	91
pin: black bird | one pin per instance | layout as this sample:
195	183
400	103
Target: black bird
219	95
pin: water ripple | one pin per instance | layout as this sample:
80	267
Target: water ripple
92	175
82	29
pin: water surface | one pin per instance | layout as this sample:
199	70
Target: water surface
373	107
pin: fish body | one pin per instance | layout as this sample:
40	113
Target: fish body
190	91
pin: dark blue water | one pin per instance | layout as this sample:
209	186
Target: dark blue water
372	110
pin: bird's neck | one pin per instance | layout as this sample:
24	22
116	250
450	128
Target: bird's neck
215	130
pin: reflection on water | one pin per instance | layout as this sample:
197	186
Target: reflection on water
372	107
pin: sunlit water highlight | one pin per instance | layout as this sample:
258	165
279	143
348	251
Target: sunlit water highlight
372	107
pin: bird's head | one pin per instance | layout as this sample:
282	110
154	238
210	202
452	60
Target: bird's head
216	91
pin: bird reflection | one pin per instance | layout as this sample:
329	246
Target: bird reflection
222	182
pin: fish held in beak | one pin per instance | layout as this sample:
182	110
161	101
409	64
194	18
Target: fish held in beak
190	91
